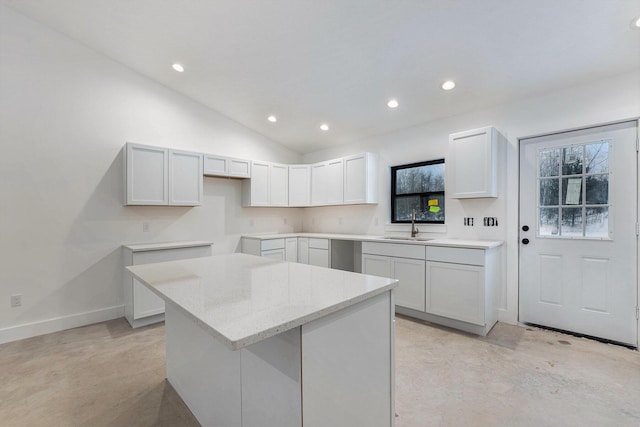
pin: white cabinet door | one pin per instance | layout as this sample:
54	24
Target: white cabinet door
472	164
145	302
410	292
319	257
319	184
258	191
239	168
377	265
335	182
299	185
216	165
456	291
291	249
147	175
279	185
185	178
360	178
303	250
278	254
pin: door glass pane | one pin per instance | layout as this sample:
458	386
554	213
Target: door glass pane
571	222
571	191
597	157
549	162
597	222
549	191
572	160
404	207
598	189
548	218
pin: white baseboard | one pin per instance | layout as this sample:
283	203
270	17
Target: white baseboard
28	330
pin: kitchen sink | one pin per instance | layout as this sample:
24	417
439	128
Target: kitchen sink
412	239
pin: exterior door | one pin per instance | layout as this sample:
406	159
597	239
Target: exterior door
578	243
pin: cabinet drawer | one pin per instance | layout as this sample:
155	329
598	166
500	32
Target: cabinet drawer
270	244
455	255
319	243
394	249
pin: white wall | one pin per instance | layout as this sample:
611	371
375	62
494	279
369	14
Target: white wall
599	102
65	113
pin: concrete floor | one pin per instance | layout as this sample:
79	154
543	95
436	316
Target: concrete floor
110	375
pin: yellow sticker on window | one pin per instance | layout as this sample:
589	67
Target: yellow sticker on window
433	202
434	208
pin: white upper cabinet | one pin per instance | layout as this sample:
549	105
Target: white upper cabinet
360	179
226	166
299	185
335	182
185	178
146	175
279	185
319	184
472	164
161	176
268	186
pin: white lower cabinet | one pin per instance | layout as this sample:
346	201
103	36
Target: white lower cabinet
409	272
303	250
451	286
319	252
291	249
143	307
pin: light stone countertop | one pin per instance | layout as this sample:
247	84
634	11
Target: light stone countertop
242	299
144	247
458	243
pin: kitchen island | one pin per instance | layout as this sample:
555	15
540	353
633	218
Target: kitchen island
251	341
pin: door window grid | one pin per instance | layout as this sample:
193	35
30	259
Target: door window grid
573	191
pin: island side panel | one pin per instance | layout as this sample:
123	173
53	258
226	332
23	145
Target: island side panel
271	382
203	371
347	366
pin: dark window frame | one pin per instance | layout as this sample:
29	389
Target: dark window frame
394	169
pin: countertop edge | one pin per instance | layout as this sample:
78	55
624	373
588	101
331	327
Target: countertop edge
158	246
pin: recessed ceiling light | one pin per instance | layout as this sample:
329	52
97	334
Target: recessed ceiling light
448	85
393	103
272	119
179	68
324	127
636	22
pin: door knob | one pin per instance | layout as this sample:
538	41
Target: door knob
525	241
525	228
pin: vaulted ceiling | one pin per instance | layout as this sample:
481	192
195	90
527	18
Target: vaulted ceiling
338	62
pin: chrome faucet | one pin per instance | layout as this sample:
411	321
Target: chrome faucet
414	229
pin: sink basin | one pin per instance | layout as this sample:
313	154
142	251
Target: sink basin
412	239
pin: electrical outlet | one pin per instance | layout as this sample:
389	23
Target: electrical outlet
340	220
490	221
251	223
284	221
16	300
468	221
145	227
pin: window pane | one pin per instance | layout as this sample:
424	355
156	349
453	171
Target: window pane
432	208
597	222
548	221
571	191
572	160
549	192
549	162
571	222
420	179
404	207
598	189
597	157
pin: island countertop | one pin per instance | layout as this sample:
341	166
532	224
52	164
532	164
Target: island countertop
242	299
